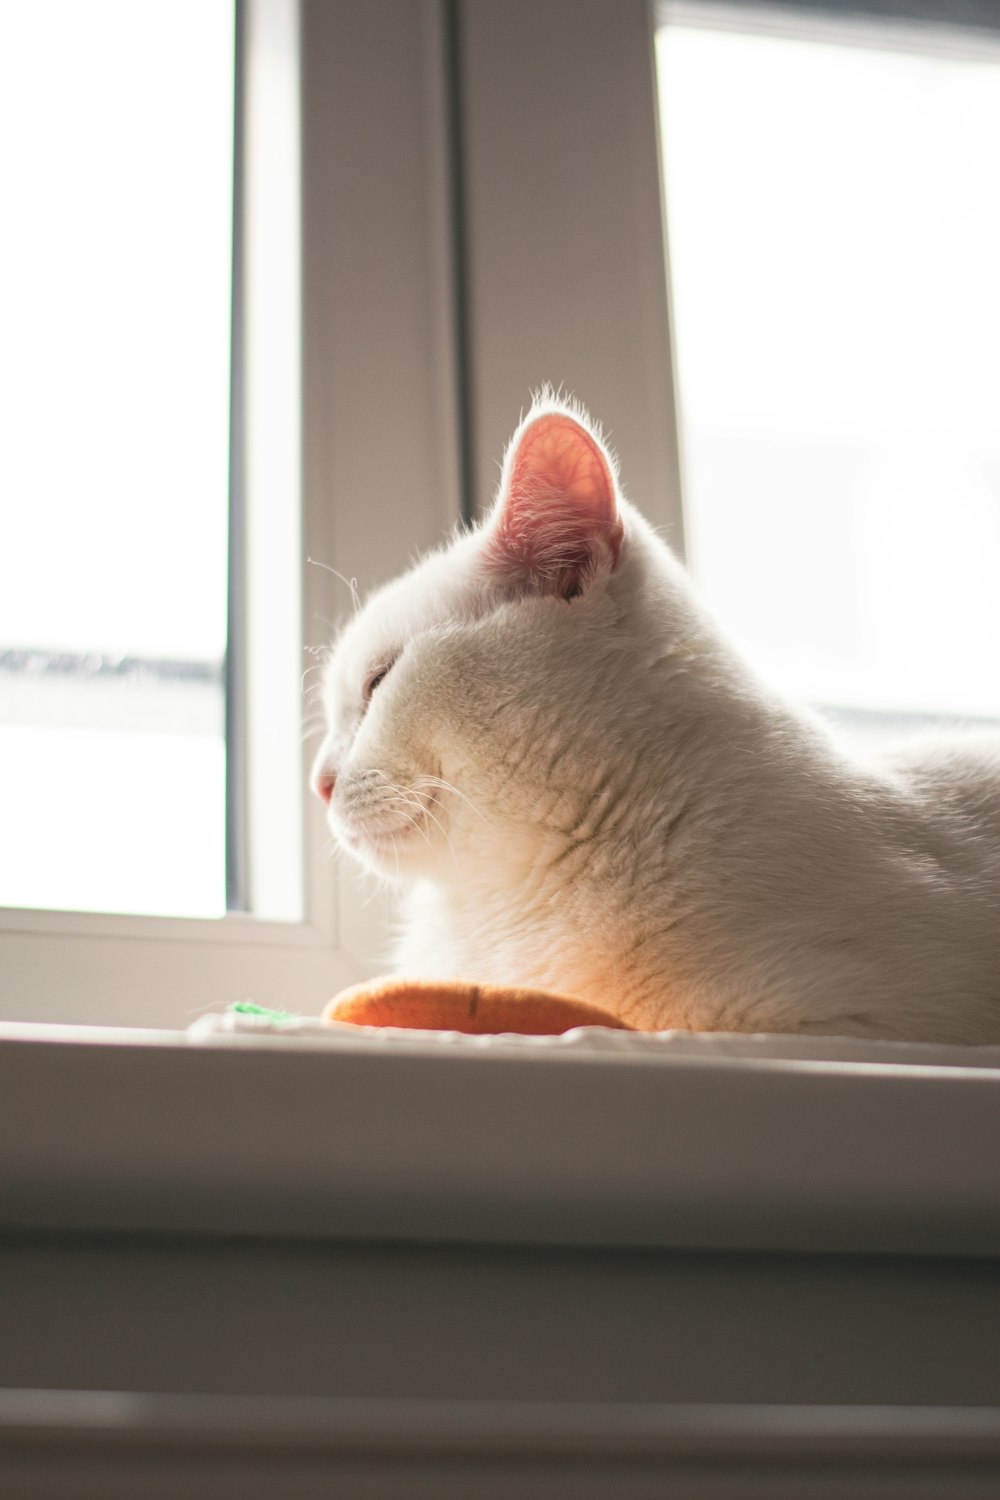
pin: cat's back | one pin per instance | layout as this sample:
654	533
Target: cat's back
952	780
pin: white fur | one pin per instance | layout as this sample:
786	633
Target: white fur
596	796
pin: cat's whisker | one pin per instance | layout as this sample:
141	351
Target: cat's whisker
350	583
449	786
394	801
402	799
408	799
396	791
427	812
433	781
411	819
399	792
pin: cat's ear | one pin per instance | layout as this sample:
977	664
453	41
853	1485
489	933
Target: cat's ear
556	518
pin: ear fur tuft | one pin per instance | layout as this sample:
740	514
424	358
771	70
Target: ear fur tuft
556	516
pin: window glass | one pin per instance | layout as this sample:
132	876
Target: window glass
834	228
116	165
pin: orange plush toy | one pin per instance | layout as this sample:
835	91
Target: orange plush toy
477	1009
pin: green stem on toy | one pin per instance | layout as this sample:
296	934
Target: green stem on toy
248	1008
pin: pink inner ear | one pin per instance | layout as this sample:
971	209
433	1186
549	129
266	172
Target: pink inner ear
559	509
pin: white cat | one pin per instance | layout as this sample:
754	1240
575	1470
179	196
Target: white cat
540	731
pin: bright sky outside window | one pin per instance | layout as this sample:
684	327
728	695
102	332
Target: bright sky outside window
116	182
834	229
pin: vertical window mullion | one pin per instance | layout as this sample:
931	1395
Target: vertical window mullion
237	873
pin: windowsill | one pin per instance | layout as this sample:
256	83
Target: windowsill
722	1142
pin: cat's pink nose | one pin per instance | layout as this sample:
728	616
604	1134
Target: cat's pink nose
323	785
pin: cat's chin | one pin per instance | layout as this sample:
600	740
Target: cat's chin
383	850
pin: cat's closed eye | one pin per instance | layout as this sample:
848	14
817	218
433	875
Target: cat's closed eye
376	679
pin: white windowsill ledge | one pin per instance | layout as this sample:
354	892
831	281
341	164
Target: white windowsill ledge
598	1138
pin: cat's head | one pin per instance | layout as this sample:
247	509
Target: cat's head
458	696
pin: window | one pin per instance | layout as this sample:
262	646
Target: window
117	192
834	235
440	231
